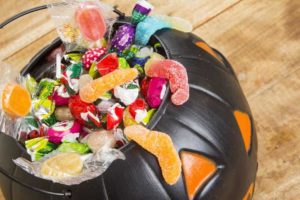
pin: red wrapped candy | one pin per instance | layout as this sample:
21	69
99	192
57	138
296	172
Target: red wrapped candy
139	104
114	116
108	64
86	114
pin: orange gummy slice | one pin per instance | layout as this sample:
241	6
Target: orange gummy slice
160	145
16	100
95	89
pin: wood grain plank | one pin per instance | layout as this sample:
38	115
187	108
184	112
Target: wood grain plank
30	28
23	31
276	113
260	38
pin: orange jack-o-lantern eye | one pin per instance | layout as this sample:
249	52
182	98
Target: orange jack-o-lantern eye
249	194
244	123
206	48
197	170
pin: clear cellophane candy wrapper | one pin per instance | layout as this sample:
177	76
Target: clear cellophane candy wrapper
8	75
82	24
93	166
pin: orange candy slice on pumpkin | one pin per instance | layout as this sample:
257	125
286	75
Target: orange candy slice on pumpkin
16	100
160	145
95	89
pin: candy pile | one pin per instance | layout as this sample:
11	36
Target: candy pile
98	92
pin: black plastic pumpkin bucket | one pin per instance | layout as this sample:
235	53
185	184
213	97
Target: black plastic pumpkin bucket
205	125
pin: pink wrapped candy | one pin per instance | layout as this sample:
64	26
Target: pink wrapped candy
154	91
61	96
67	130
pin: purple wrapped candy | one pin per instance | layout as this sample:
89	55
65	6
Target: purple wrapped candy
141	10
123	38
64	131
61	96
156	91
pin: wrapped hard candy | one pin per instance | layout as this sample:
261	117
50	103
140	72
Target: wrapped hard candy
108	64
128	119
91	56
39	147
154	90
100	139
128	92
64	131
120	137
141	10
61	96
73	147
70	78
114	116
85	113
46	88
63	114
43	109
123	37
138	110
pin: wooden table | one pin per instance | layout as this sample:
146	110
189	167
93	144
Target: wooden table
261	38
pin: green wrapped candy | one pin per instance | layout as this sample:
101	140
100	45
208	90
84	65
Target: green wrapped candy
31	85
74	147
73	56
39	147
93	72
149	116
70	78
130	52
123	64
43	109
46	88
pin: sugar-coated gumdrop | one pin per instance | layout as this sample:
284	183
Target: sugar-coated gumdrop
108	64
85	113
92	55
156	91
91	21
58	131
92	91
161	145
16	100
63	165
177	75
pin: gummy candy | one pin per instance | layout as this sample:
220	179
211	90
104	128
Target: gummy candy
91	21
177	75
108	64
123	37
148	27
86	114
63	165
58	131
16	100
161	145
92	91
92	55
